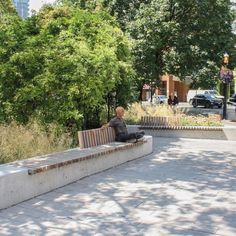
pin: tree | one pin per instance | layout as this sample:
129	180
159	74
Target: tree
180	38
123	10
7	11
174	36
210	36
12	36
70	60
6	7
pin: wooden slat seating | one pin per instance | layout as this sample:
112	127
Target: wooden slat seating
95	137
160	121
173	123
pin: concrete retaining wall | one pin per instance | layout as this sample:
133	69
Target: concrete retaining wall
221	133
231	114
197	134
16	185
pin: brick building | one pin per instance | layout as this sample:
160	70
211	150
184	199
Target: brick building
169	86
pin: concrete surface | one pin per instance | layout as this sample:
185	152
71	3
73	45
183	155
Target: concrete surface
228	132
62	168
186	187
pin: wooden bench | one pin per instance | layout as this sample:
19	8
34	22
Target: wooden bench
99	151
159	121
95	137
171	127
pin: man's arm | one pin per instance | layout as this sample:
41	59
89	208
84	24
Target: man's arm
105	125
108	124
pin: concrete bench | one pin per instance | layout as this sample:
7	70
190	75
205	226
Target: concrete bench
170	127
22	180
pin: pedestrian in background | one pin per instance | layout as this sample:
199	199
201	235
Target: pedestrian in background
170	101
176	100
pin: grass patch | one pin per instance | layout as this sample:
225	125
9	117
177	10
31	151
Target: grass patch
134	113
20	142
200	120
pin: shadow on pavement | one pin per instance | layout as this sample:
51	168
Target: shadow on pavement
186	187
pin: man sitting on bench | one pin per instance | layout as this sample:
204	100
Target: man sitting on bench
121	131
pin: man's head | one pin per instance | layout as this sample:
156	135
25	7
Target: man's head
120	111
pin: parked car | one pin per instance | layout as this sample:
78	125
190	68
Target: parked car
192	93
232	99
214	93
206	100
158	99
161	99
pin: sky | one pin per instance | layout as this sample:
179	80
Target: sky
37	4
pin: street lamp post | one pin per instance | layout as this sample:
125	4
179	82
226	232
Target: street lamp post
226	77
225	101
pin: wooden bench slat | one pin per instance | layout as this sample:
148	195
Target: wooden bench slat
95	137
160	121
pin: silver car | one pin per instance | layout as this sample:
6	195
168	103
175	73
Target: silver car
160	99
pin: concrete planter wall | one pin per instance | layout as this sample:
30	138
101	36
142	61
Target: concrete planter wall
218	133
18	181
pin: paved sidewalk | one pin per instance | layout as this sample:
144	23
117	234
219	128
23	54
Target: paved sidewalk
186	187
229	123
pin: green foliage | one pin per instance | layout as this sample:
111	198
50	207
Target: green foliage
123	10
210	34
184	38
7	12
7	8
12	36
206	77
181	38
61	64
